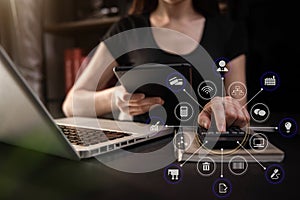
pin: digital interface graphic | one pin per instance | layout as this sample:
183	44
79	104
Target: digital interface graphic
210	151
256	142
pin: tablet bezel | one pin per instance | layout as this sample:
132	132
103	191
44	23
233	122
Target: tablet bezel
183	68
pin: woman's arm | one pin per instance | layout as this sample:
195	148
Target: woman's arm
88	96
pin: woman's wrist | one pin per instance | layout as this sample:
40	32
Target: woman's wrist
104	101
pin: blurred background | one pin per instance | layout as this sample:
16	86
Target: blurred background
44	36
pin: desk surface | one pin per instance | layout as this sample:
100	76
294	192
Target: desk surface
26	174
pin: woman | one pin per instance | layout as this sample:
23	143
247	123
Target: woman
194	18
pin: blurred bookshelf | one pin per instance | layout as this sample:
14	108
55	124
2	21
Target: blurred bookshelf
73	24
77	27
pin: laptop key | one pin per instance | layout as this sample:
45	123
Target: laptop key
86	137
227	139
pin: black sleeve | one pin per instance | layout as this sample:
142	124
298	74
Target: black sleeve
117	43
237	42
116	28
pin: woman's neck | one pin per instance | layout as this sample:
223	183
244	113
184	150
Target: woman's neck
180	10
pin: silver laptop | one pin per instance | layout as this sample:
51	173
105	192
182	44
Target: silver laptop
25	122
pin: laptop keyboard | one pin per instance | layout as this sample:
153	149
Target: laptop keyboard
87	137
226	140
231	132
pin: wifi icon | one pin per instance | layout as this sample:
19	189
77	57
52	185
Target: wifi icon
207	89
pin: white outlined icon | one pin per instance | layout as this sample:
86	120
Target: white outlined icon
184	111
207	90
258	142
288	127
270	81
206	166
176	82
173	174
155	127
238	165
222	188
237	90
182	140
275	174
221	65
260	112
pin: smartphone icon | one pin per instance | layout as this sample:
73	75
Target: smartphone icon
184	111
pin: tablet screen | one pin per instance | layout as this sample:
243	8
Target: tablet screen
158	80
150	79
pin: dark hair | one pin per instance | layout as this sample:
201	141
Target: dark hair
205	7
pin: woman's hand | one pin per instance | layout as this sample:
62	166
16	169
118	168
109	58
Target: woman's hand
226	111
134	104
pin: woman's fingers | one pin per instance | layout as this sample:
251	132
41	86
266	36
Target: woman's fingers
237	115
138	110
143	106
204	119
134	104
137	104
226	111
214	109
246	114
233	112
217	108
146	101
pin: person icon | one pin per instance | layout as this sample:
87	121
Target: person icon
222	66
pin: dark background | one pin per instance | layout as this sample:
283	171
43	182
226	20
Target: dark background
272	39
273	46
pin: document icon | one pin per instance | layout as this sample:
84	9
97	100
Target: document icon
223	188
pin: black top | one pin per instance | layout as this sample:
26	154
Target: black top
222	37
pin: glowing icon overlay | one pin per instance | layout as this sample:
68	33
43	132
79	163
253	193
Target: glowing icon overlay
184	111
260	112
173	174
222	188
176	82
238	165
275	174
237	90
258	142
288	127
207	90
270	81
206	166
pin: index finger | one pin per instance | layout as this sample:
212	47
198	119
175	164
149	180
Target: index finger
219	114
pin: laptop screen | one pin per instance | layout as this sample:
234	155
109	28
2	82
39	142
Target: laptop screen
24	121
